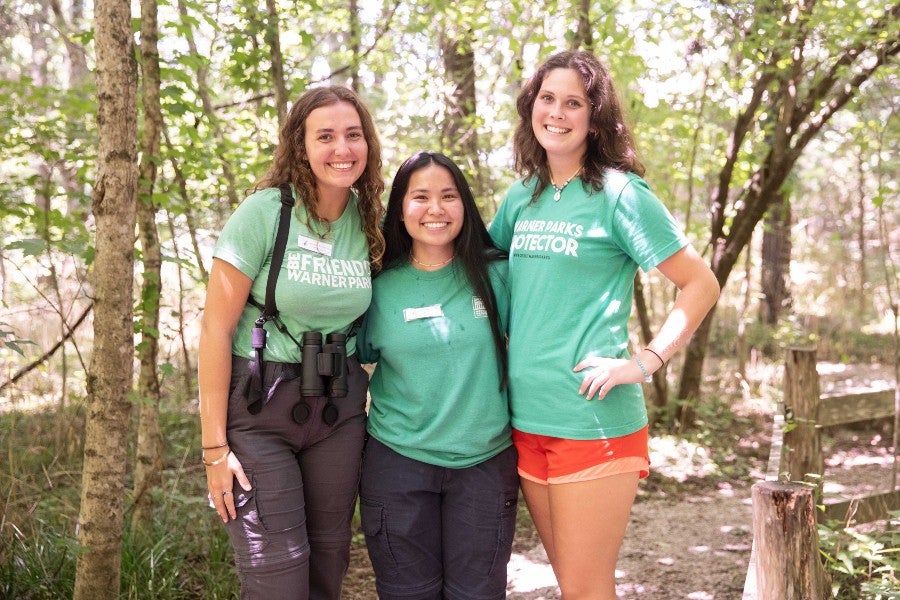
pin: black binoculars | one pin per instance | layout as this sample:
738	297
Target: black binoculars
324	367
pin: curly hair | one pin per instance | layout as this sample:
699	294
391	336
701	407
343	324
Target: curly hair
609	142
290	165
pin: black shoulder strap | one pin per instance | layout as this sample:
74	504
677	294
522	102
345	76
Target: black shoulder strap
270	310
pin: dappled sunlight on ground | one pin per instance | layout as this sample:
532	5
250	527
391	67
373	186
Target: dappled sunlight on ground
676	458
527	573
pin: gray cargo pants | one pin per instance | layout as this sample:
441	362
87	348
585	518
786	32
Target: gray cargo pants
291	538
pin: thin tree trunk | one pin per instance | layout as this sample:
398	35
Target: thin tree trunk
109	378
861	235
354	45
660	385
187	370
148	454
583	39
776	260
181	181
460	131
273	38
208	109
742	351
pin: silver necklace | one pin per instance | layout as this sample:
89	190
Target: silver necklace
560	188
440	264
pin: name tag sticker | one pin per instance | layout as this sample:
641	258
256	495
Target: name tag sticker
425	312
314	245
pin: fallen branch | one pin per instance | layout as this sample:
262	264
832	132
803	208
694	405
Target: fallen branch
46	355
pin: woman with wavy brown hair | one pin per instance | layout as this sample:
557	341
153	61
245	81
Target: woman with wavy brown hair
578	225
282	399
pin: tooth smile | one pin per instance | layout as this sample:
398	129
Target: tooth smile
434	225
553	129
345	165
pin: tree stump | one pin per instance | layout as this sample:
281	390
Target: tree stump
787	545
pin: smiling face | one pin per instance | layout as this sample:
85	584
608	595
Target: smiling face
432	213
336	147
560	119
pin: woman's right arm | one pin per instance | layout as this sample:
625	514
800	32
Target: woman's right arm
226	297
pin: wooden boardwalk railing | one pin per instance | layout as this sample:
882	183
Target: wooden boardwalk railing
784	561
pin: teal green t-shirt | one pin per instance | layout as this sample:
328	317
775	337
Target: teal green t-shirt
323	284
571	269
436	387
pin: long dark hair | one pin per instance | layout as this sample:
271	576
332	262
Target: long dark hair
473	246
289	164
609	142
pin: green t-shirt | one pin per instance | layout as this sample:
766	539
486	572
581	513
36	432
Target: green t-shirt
436	388
323	285
571	268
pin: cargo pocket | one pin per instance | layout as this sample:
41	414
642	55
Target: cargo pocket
372	520
280	505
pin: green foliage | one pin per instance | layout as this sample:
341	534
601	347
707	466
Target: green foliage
187	555
861	564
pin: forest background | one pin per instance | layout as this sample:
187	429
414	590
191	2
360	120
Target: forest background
131	131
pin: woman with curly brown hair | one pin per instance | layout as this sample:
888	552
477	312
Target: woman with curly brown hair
282	395
578	226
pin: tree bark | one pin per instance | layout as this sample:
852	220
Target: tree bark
208	108
776	260
583	38
787	543
460	130
109	377
660	385
273	38
148	454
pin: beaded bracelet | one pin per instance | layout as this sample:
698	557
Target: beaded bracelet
647	378
212	463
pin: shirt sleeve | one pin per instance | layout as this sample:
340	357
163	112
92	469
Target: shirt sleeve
644	227
248	236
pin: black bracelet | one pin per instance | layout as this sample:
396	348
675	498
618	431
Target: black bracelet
653	352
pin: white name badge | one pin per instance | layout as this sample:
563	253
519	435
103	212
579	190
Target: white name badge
426	312
314	245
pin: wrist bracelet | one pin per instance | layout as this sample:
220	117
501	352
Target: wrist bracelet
647	378
653	352
212	463
213	447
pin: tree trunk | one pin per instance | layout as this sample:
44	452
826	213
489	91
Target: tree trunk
148	454
660	385
186	368
273	38
354	45
742	350
110	374
460	130
776	260
583	39
208	108
861	236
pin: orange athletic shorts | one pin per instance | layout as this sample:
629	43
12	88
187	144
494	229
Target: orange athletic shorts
546	459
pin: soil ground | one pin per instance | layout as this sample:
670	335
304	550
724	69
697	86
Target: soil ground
690	532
